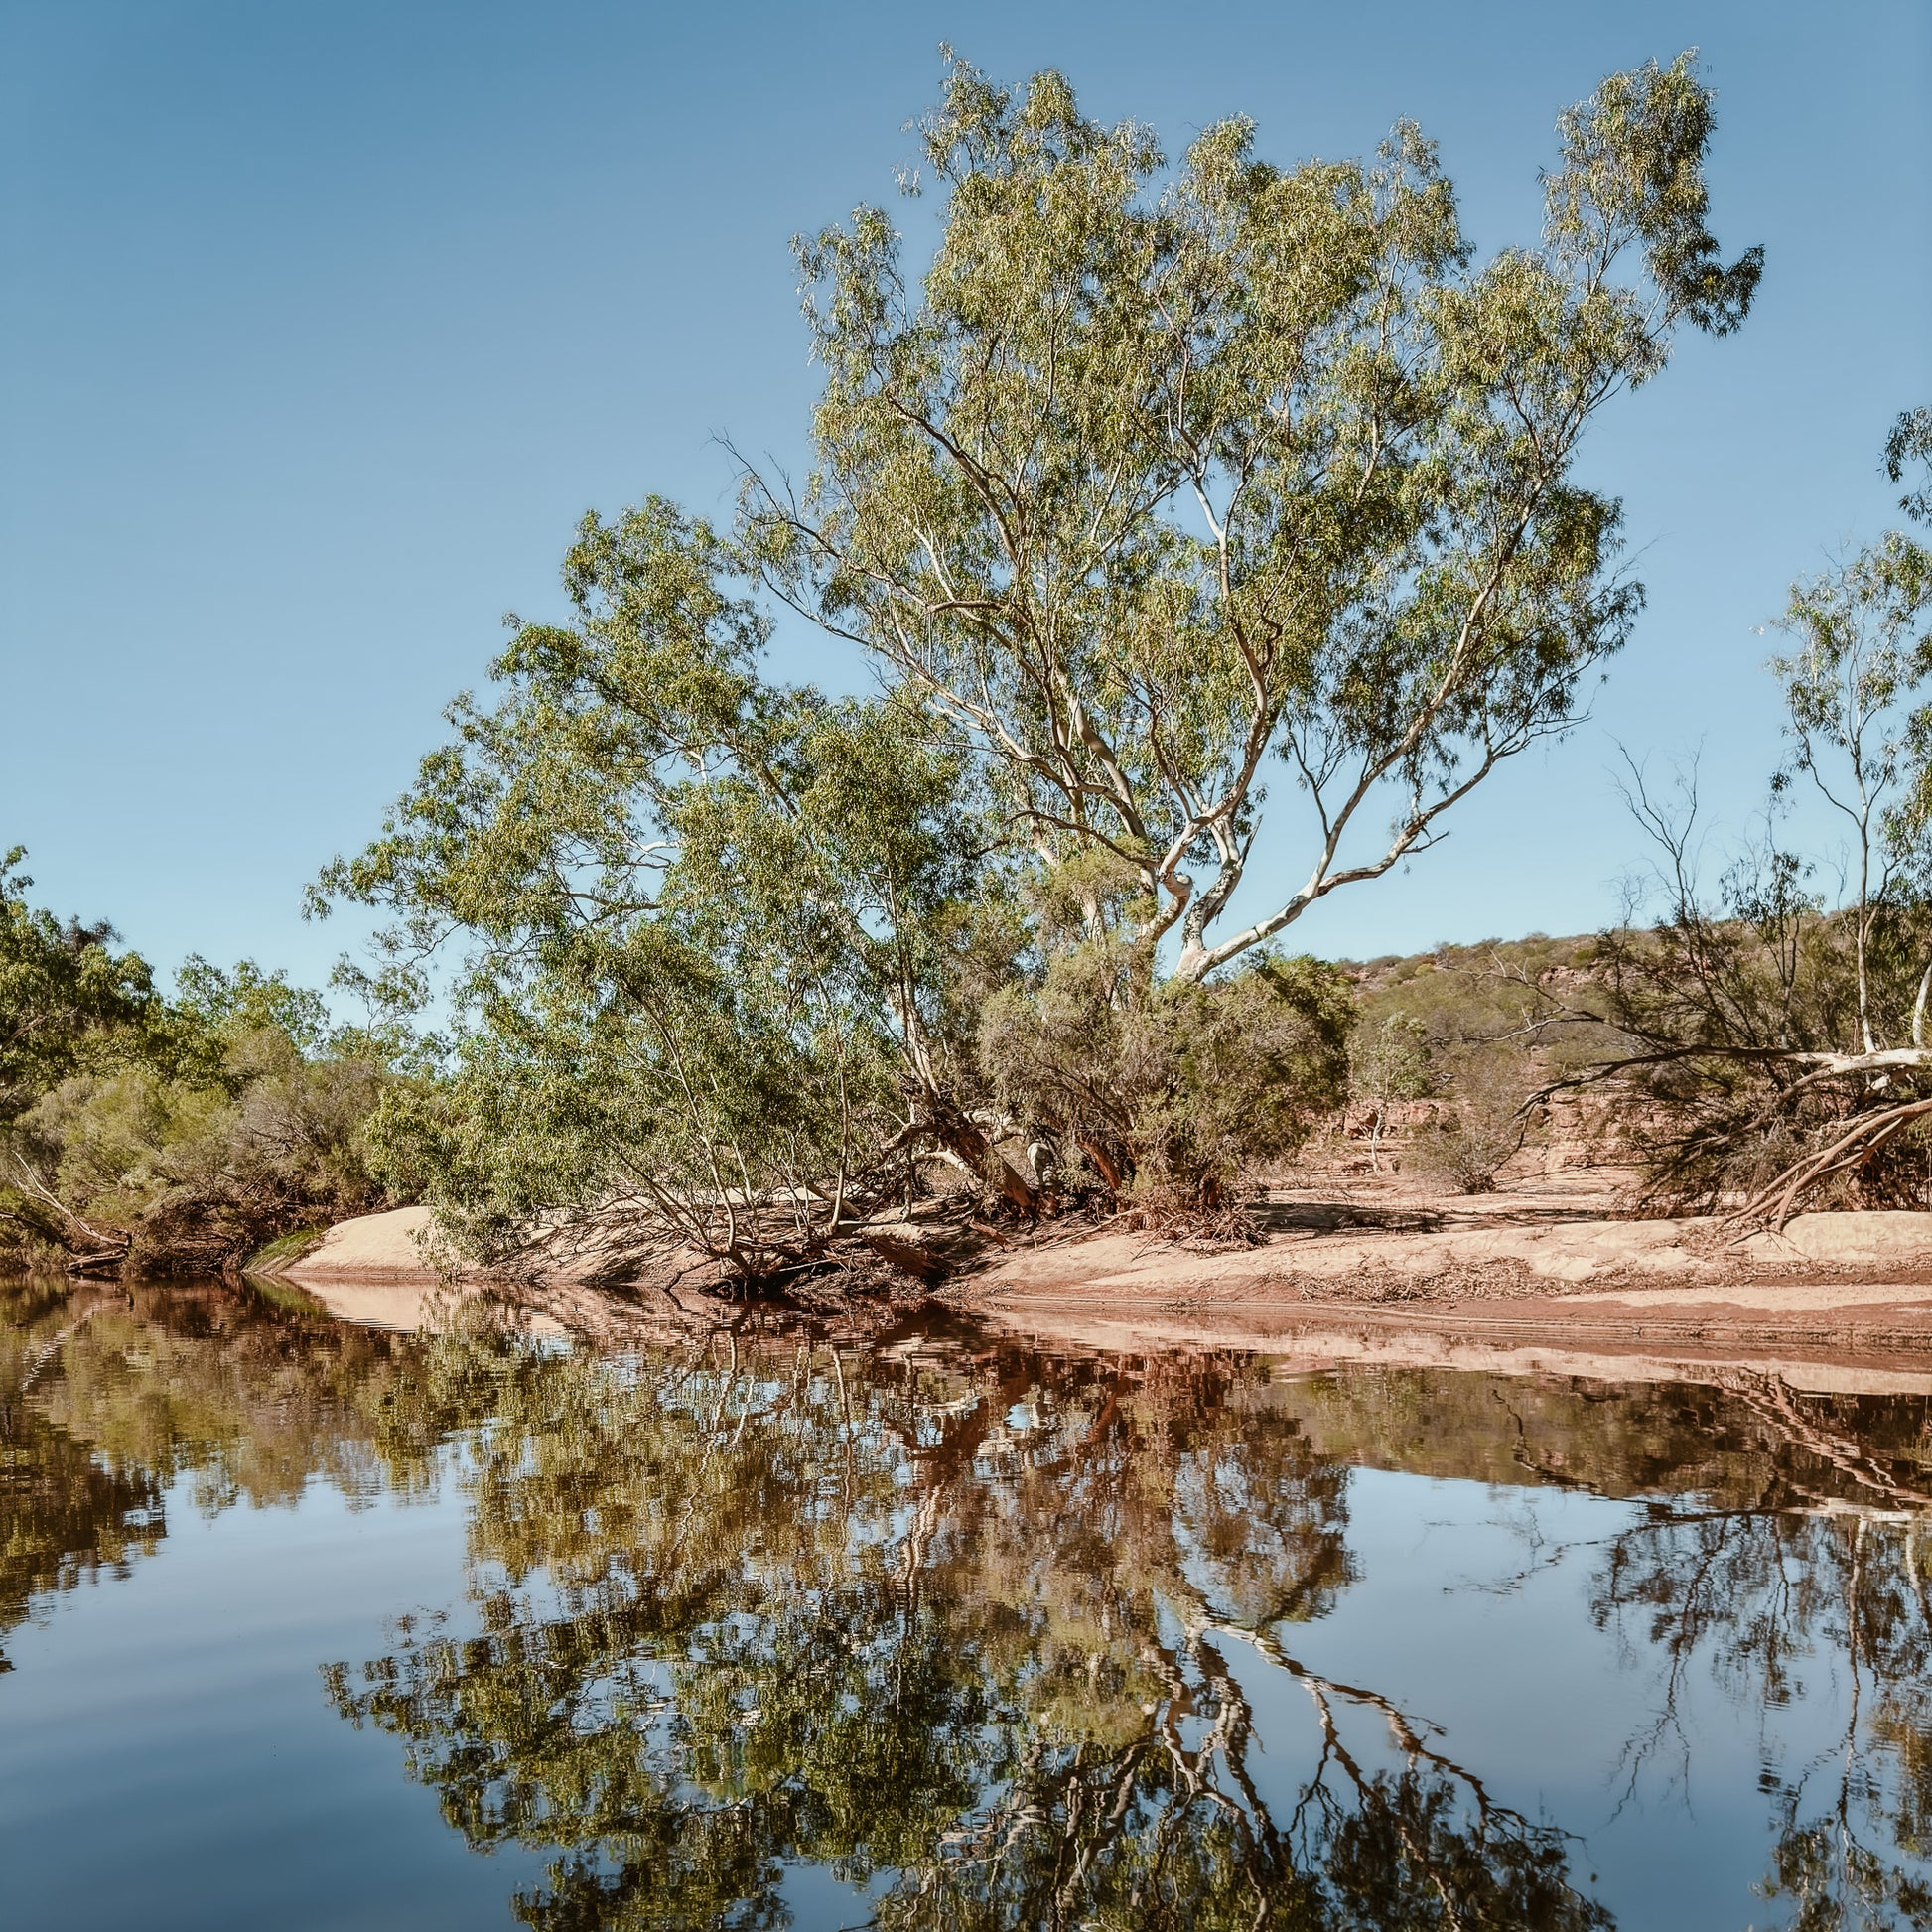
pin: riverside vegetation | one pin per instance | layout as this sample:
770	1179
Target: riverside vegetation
1191	522
1159	486
172	1134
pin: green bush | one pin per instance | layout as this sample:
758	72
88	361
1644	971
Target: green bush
1171	1096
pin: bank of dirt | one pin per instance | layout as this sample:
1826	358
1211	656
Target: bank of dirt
1557	1258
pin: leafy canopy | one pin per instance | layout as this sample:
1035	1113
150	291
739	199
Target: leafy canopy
65	995
1163	487
1160	487
703	910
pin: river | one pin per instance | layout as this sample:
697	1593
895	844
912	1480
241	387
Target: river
306	1625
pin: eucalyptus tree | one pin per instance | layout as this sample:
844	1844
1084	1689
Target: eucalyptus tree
700	917
1855	699
1389	1064
1909	443
1166	487
1858	694
1160	487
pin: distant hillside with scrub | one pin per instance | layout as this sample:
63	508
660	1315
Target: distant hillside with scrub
1454	1052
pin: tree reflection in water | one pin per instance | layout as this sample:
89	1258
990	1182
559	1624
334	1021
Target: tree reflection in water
110	1396
1820	1571
957	1628
994	1634
64	1516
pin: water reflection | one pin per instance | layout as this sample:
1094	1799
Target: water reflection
110	1400
67	1517
958	1624
995	1636
1765	1595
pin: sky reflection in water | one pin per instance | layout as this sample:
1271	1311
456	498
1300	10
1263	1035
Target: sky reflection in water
946	1633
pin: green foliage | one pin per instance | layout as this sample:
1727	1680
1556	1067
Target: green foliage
173	1169
1480	1032
1862	650
221	1010
1909	443
66	1000
1160	483
1159	487
170	1133
702	918
1173	1094
1484	1120
286	1248
1388	1062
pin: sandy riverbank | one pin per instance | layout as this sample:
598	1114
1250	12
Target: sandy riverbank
1552	1258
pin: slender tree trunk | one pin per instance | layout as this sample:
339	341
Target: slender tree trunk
1863	931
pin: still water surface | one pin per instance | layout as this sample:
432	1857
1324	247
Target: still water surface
309	1625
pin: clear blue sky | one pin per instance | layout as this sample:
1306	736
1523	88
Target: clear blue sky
321	324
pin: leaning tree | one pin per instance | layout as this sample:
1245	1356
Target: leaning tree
1160	495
